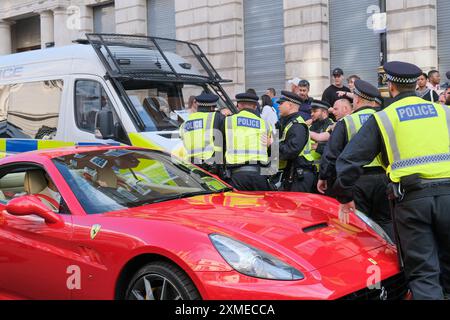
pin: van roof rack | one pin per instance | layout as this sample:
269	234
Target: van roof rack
153	58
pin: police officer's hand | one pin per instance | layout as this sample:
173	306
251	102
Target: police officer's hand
226	112
309	122
345	210
266	140
322	186
314	135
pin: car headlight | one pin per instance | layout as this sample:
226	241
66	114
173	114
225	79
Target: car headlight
253	262
374	226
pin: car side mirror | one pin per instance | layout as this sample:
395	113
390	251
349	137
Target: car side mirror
104	125
31	205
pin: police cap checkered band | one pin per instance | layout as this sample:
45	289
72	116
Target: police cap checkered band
207	104
291	100
320	104
290	97
395	79
207	100
247	97
363	95
402	72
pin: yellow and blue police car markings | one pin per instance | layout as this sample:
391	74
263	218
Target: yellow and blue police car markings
11	146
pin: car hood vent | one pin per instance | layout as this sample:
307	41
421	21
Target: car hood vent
315	227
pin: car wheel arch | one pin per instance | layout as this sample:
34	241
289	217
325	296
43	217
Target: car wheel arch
133	265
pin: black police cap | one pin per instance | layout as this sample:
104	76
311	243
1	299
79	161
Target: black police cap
319	104
247	97
402	72
207	100
289	97
366	91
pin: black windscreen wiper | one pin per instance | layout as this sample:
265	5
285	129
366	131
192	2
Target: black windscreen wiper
183	195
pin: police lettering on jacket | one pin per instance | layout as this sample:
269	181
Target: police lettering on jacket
364	117
249	123
418	111
193	125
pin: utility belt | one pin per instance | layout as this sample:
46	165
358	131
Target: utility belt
298	173
374	170
247	169
413	185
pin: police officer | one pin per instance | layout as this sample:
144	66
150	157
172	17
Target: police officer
296	161
246	138
413	136
370	189
321	122
202	136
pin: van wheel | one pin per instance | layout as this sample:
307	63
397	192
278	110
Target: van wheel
161	281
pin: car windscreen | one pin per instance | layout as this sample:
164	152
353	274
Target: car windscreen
117	179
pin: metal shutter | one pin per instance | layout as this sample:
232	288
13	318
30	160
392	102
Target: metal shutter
161	18
353	46
27	34
443	30
264	45
105	19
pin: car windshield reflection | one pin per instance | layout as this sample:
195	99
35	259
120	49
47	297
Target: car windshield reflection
117	179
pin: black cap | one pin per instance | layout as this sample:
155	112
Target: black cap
207	100
338	72
402	72
366	91
290	97
448	75
319	104
247	97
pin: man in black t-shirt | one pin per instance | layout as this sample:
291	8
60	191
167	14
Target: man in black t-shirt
330	94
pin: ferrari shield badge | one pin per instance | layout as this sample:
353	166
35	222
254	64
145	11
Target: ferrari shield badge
95	229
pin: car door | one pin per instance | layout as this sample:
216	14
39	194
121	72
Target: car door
36	259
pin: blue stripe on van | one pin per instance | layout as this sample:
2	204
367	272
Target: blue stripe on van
17	145
93	144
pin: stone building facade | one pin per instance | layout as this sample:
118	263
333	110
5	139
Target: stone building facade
218	27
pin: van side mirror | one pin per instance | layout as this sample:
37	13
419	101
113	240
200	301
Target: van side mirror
104	125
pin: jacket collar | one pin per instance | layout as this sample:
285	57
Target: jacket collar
404	95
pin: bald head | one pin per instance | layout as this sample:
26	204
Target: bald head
342	108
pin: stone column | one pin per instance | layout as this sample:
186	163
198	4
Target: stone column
131	16
217	27
412	34
47	28
306	40
87	21
5	37
62	33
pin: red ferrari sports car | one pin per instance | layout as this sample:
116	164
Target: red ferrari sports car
130	223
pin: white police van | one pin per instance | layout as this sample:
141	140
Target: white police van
121	88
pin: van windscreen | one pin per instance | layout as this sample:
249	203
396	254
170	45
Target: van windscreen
164	107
